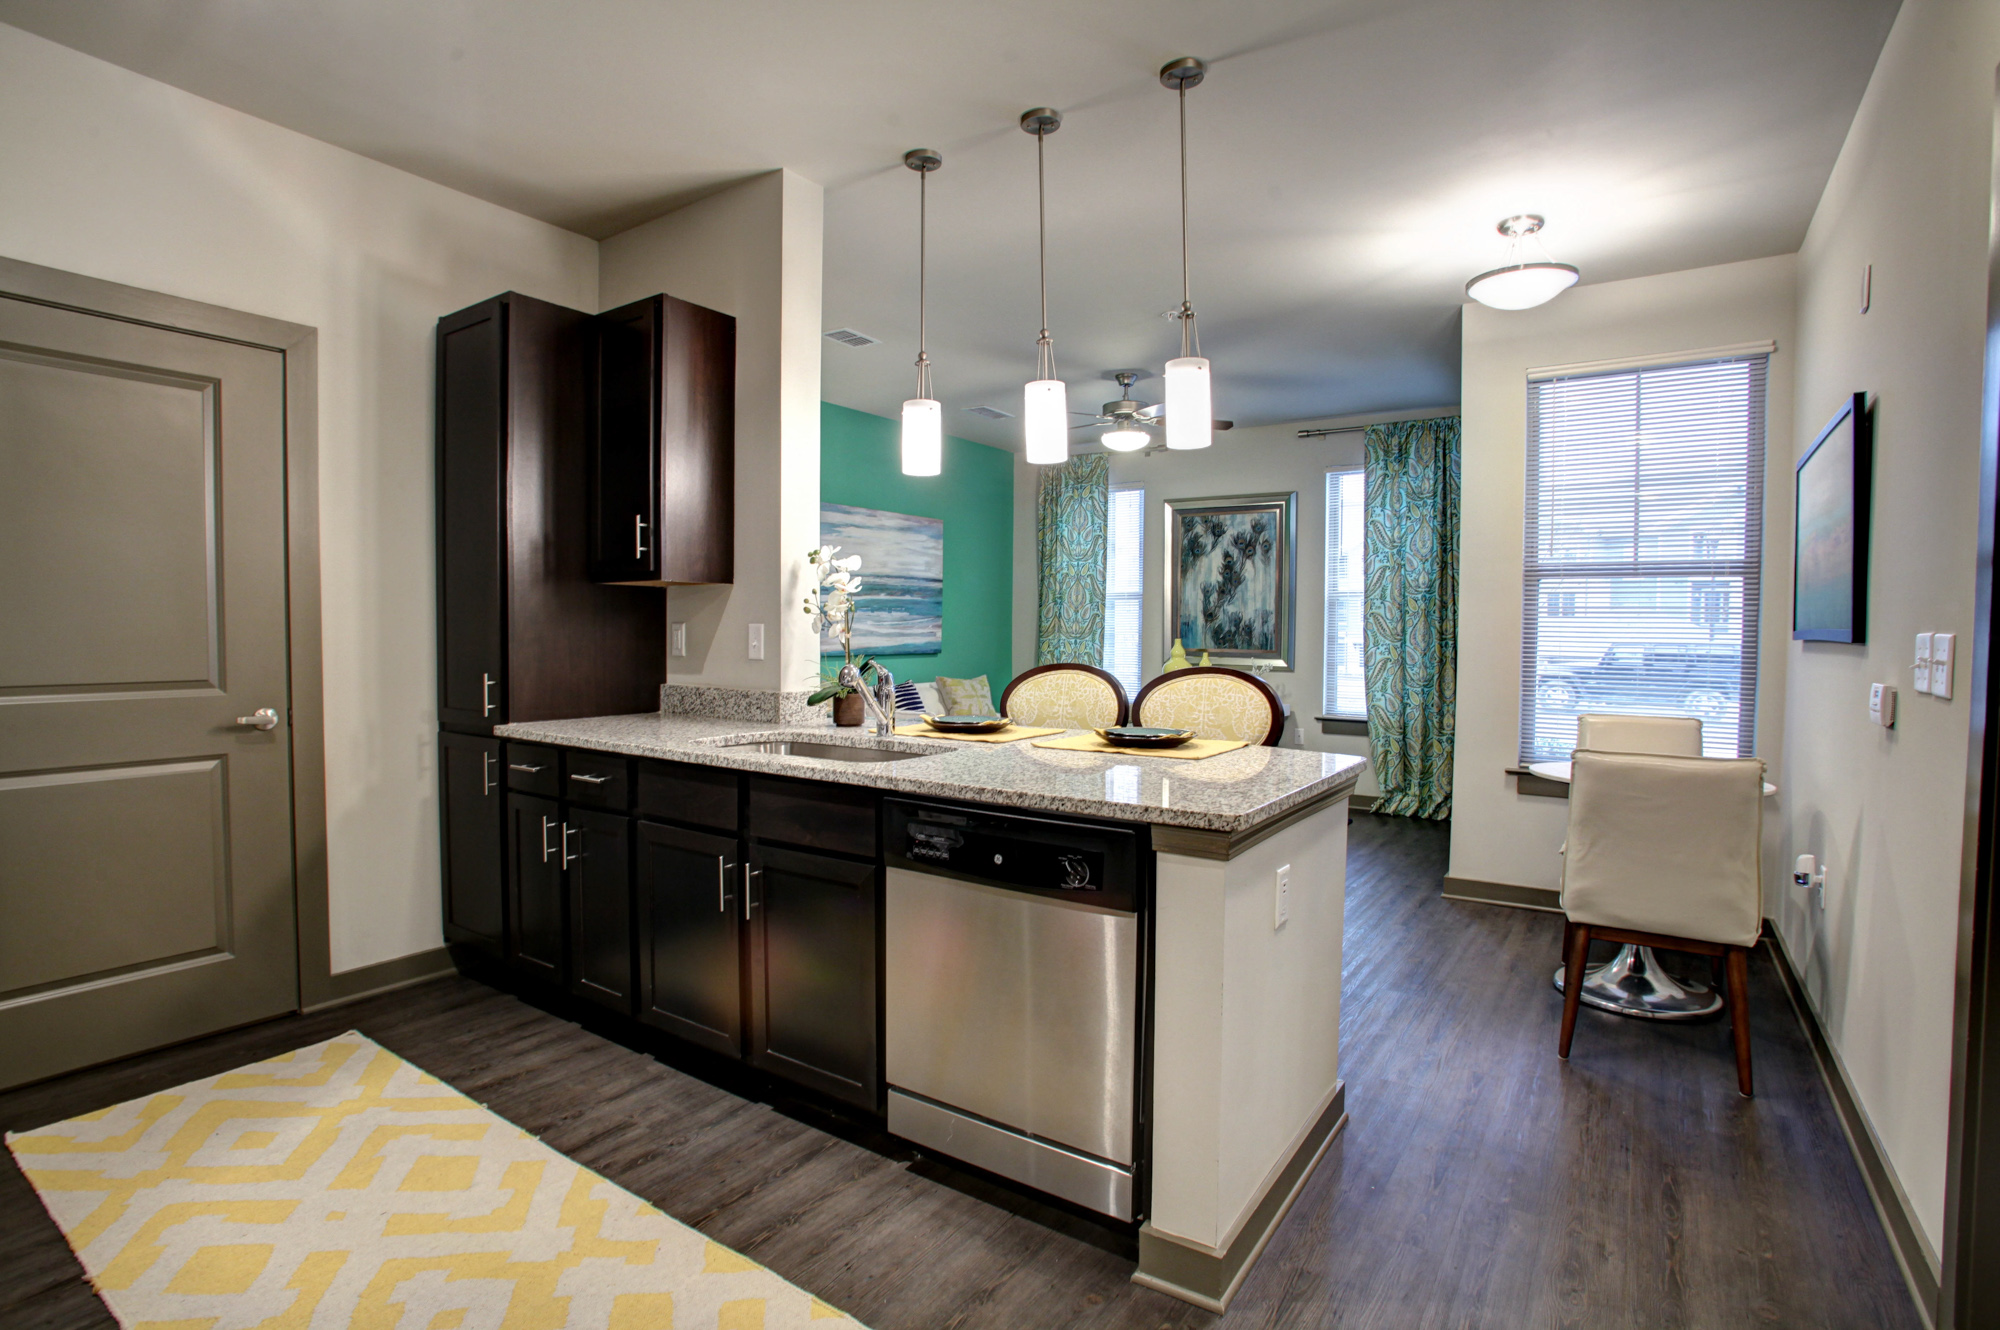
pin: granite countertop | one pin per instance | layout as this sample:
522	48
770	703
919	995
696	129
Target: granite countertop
1232	793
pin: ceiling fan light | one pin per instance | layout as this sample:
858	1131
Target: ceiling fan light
1522	285
923	437
1045	421
1125	439
1190	416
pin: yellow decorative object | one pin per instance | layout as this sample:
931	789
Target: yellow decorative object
1193	748
1067	699
1204	660
339	1186
1011	735
1177	658
1215	706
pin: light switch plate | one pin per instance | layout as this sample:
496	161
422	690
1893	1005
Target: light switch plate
1284	896
756	641
1921	665
1941	664
679	640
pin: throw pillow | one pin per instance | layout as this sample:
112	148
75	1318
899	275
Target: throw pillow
908	698
965	697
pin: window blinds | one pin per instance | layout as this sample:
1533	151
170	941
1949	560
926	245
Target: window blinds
1344	691
1124	580
1643	543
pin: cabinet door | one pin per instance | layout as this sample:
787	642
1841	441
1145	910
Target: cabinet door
599	849
535	886
690	936
474	838
471	424
813	972
624	454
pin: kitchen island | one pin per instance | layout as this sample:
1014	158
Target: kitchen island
1239	923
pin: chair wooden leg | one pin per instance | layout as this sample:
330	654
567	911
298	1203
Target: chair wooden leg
1739	1015
1578	953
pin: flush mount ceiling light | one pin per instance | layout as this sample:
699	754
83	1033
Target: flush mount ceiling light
1125	439
1044	402
923	418
1188	408
1521	285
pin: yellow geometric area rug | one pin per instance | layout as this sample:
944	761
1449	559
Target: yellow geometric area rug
340	1186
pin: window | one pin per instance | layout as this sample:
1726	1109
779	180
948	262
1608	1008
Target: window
1643	551
1124	582
1346	674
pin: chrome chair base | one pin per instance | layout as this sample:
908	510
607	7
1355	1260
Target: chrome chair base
1633	983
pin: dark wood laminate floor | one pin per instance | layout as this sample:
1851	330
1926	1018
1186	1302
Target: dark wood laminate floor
1480	1182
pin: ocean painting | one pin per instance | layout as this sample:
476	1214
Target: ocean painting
900	611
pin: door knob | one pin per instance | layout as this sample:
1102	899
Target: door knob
263	718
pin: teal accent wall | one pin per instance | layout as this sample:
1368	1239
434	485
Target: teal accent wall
860	464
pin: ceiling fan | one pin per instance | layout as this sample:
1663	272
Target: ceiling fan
1132	424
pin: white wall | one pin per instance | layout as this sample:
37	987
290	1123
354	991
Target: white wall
1910	196
1498	834
1266	459
752	251
116	176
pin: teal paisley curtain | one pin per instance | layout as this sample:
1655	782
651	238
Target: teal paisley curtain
1070	526
1411	612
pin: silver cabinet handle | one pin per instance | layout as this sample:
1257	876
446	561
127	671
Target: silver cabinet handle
486	761
587	780
749	874
722	867
546	852
523	766
638	536
485	694
569	858
263	718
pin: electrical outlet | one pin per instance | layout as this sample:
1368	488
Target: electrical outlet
1921	666
1882	704
679	639
756	641
1284	896
1941	665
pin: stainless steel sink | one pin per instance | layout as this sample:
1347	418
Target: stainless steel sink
830	752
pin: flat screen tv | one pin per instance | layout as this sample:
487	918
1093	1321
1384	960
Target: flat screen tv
1830	535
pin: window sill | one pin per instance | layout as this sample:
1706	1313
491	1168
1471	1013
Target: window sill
1527	782
1343	724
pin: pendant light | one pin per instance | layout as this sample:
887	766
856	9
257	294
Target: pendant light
1521	285
1044	402
1189	409
923	418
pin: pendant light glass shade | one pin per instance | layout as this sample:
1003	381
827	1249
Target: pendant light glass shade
923	437
1190	417
1522	286
1126	440
1045	421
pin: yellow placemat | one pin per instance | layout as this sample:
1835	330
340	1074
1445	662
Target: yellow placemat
1012	734
1193	748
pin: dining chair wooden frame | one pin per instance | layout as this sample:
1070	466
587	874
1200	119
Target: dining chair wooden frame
1276	703
1735	962
1117	689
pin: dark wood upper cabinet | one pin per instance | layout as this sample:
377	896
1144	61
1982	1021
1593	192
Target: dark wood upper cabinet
663	460
524	632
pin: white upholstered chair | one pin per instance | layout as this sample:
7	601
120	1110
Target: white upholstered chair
1214	702
1069	697
1665	852
1674	736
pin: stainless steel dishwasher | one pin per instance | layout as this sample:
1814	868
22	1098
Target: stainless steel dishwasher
1012	1004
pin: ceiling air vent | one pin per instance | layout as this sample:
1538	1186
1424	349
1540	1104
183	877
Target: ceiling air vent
849	337
990	412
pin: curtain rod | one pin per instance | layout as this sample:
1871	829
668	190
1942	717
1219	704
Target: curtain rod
1332	429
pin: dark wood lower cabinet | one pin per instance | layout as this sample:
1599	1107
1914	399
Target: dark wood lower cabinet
813	967
597	849
687	886
473	792
535	887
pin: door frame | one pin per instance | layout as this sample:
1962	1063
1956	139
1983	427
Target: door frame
1969	1287
298	345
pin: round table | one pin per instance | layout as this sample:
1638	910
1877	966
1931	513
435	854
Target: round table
1633	983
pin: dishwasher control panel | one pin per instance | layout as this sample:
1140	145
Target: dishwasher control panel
1061	859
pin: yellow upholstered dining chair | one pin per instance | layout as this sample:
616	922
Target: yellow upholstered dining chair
1669	736
1215	703
1070	697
